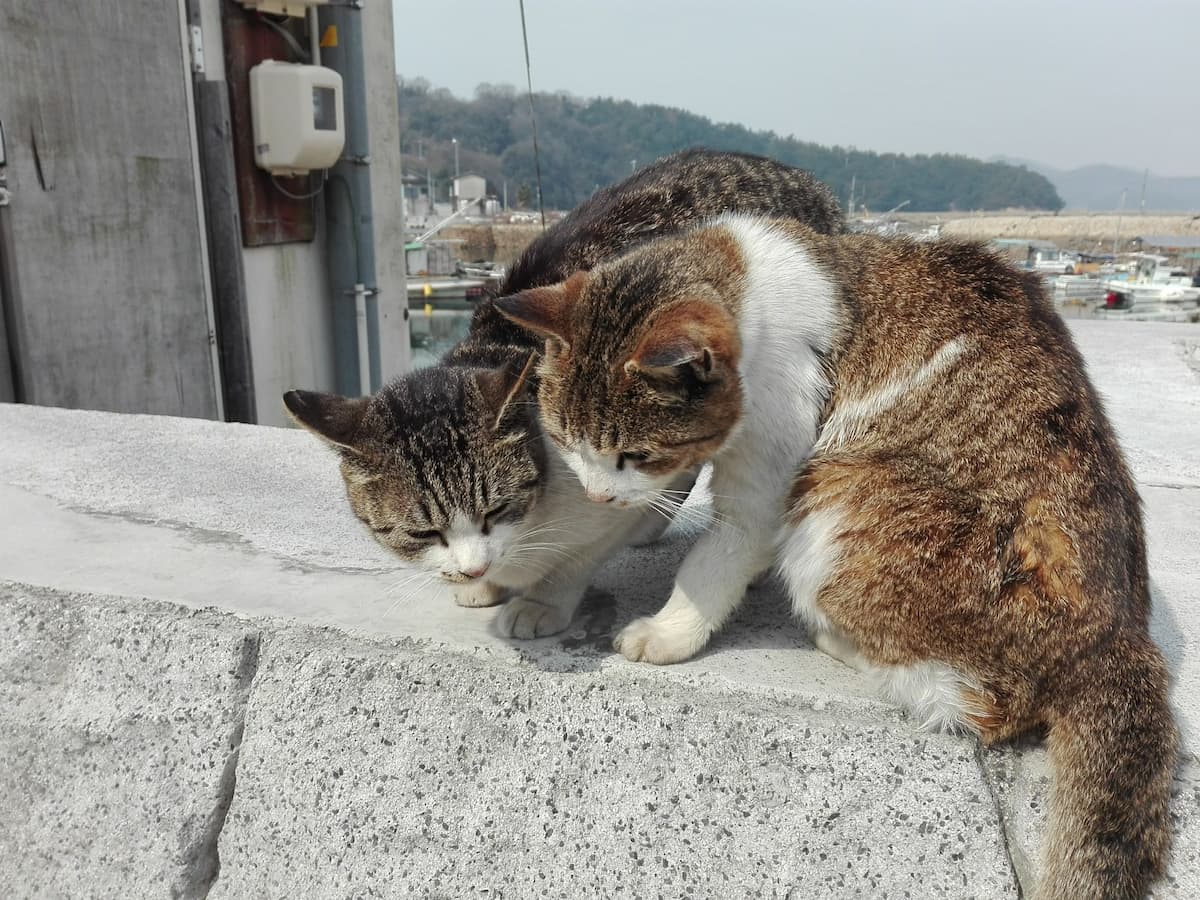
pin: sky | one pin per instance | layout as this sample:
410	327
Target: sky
1061	83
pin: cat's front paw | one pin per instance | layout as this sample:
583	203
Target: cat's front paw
477	593
525	619
648	639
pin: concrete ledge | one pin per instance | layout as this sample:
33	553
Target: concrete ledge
401	768
120	725
338	730
445	774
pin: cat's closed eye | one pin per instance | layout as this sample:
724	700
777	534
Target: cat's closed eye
635	458
427	536
492	514
384	529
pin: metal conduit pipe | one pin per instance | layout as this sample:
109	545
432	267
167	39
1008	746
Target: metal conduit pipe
348	214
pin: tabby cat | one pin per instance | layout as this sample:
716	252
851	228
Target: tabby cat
449	467
906	431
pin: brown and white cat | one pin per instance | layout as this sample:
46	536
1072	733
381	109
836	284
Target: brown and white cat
907	432
448	466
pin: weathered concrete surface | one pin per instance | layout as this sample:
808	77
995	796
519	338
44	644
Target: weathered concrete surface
1021	781
371	771
550	750
119	728
113	311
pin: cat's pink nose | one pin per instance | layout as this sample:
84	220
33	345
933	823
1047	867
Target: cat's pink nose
597	497
476	572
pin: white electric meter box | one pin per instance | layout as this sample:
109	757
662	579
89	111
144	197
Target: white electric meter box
297	114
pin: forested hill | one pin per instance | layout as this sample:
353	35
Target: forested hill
588	143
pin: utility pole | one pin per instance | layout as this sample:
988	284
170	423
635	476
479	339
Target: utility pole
454	141
1117	239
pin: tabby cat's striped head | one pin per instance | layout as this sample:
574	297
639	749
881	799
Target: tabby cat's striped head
639	380
442	465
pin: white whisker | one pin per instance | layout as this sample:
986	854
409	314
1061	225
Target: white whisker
408	595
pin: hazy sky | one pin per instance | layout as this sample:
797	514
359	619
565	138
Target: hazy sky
1063	83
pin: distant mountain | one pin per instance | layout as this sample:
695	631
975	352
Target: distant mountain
1097	188
586	143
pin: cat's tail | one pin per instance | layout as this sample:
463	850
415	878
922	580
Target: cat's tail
1114	746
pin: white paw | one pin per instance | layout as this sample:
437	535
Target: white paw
477	593
525	619
650	640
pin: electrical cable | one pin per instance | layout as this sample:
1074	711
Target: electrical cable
287	36
279	187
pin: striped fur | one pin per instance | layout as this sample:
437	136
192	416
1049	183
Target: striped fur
449	466
907	431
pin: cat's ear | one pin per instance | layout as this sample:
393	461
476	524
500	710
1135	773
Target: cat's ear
503	391
691	342
332	417
544	310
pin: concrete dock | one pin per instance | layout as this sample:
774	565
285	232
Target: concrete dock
213	683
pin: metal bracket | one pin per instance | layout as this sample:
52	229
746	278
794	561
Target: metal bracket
196	45
356	160
5	197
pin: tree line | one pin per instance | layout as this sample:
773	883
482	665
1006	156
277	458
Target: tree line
584	144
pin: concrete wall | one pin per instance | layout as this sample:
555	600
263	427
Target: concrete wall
291	322
114	311
287	290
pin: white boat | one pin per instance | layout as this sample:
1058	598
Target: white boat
1152	285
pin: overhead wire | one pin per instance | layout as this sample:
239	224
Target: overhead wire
537	160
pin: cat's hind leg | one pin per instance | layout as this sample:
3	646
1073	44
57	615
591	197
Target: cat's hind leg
841	648
890	569
936	696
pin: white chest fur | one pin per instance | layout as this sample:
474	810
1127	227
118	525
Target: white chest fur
788	320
